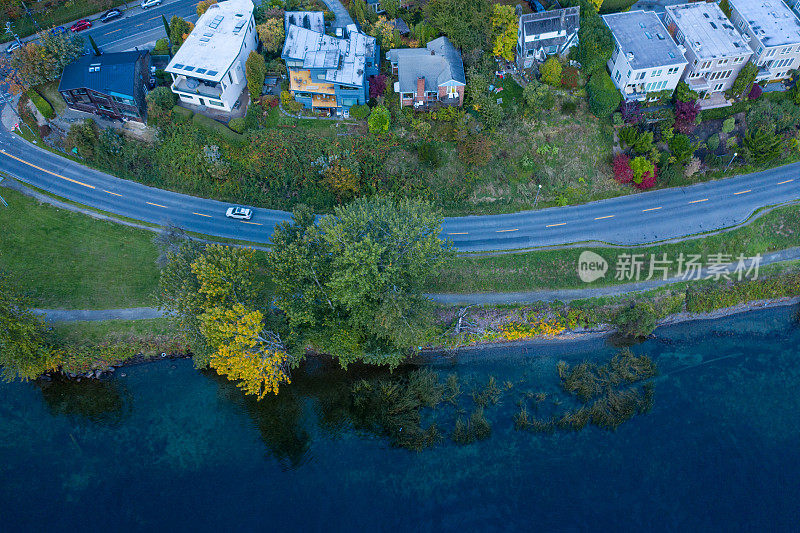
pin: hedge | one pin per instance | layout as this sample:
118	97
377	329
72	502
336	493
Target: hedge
42	105
181	114
211	124
720	297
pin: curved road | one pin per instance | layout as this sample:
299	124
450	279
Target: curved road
627	220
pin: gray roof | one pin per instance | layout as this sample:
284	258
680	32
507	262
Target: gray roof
438	63
770	20
565	20
707	31
401	26
343	59
642	34
310	20
108	73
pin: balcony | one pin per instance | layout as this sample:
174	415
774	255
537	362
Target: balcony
194	86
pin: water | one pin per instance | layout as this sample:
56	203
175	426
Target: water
167	447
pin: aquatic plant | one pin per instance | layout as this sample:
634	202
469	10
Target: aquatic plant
490	394
452	389
475	429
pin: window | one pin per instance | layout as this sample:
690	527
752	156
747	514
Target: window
641	75
617	76
216	103
628	76
722	62
230	78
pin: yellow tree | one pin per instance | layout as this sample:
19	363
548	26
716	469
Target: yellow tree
272	34
504	31
596	4
203	6
244	351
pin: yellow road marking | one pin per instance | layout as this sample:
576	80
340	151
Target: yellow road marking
253	223
505	230
554	225
154	18
651	209
201	215
607	216
114	193
782	182
142	24
112	31
459	233
698	201
45	170
742	192
157	205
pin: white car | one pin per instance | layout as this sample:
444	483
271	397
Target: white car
150	3
239	213
13	46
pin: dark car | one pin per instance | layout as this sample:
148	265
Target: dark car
80	25
110	15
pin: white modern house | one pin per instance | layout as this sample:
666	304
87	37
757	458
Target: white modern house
546	33
209	67
645	58
773	33
715	50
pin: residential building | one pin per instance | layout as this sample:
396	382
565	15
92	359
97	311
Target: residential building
714	49
310	20
112	85
330	74
433	75
209	67
645	58
773	32
375	5
547	33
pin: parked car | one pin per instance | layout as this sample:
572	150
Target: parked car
110	15
150	3
239	213
58	30
13	46
81	25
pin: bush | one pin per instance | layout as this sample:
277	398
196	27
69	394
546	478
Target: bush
622	168
604	98
83	137
377	85
256	72
212	125
713	142
684	94
237	124
728	125
550	71
181	114
161	47
631	112
570	77
379	120
42	105
671	174
44	131
636	320
429	154
359	112
569	108
290	105
755	92
686	115
616	118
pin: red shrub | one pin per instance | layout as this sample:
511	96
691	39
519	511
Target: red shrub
569	77
377	84
622	168
685	115
648	179
755	92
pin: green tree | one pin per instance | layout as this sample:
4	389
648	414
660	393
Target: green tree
160	102
728	125
392	8
467	23
604	97
255	69
351	285
636	320
595	42
504	31
551	71
272	34
641	166
179	30
684	94
762	146
681	147
379	120
24	353
744	80
44	59
643	142
423	33
538	96
725	7
83	136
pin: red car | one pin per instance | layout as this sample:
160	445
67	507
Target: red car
80	25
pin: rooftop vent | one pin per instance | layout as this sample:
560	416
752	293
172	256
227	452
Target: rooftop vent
630	56
660	37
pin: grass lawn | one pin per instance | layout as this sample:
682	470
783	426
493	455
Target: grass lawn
69	260
97	332
50	92
557	269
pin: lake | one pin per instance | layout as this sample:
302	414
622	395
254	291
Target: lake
168	447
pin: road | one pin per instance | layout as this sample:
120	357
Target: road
628	220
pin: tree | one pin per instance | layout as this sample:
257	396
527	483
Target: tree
681	147
636	320
684	94
392	8
179	30
595	42
762	146
467	23
551	71
643	142
351	284
641	166
160	102
686	116
379	120
745	78
755	92
504	31
256	72
166	26
83	136
44	59
203	6
272	34
377	85
24	353
604	97
359	112
341	179
423	33
728	125
622	168
538	96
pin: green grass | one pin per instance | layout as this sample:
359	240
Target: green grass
69	260
97	332
41	104
217	127
557	269
50	92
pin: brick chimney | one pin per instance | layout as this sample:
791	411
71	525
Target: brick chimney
421	87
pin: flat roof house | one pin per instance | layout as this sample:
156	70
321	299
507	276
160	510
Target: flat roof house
773	32
715	50
310	20
645	58
112	85
329	74
547	33
208	69
429	76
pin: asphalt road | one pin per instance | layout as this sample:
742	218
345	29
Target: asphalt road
634	219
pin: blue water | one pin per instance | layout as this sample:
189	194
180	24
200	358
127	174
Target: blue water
169	448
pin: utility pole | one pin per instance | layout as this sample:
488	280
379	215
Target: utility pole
731	161
537	195
11	31
28	11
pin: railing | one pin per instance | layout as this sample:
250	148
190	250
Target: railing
181	85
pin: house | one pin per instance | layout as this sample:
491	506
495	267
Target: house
547	33
112	85
401	26
715	50
645	58
209	67
773	32
375	5
430	75
327	73
310	20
